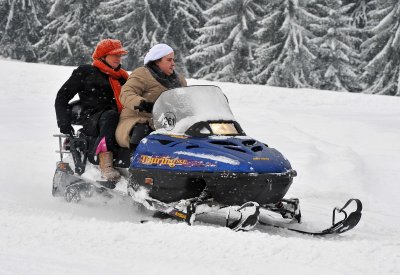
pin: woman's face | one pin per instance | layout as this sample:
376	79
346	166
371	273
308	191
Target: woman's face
167	64
113	60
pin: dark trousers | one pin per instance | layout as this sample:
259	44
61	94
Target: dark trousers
107	124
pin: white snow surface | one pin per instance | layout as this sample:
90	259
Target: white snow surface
342	145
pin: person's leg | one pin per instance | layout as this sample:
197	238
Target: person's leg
107	124
139	131
105	144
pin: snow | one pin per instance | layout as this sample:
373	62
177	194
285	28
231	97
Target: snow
210	157
342	145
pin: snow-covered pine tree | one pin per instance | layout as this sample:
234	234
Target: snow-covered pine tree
4	10
182	19
283	57
335	47
358	11
134	22
21	21
71	35
226	45
381	50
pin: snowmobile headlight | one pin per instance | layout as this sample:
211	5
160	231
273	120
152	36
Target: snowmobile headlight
223	128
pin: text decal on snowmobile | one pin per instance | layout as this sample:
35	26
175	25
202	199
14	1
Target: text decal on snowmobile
259	158
172	162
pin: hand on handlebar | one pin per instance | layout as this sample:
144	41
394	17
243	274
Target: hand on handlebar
145	106
67	130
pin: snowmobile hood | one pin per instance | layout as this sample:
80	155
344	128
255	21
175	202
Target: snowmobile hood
211	154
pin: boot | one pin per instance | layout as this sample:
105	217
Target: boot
106	166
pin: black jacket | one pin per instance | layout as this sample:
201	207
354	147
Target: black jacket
95	94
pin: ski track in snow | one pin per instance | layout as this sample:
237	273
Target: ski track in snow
342	145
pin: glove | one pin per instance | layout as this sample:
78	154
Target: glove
145	106
67	130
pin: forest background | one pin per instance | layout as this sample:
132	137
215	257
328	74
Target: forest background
348	45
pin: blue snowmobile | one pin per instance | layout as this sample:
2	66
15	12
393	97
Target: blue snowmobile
198	165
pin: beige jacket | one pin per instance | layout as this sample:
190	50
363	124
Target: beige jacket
140	85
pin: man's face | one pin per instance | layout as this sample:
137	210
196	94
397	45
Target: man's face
167	64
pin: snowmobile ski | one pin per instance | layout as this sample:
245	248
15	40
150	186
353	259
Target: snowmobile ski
170	210
247	215
347	223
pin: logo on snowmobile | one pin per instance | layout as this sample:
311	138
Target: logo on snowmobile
258	158
180	215
168	121
172	162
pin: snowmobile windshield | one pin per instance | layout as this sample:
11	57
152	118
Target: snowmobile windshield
205	108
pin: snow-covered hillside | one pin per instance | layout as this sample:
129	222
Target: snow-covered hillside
342	146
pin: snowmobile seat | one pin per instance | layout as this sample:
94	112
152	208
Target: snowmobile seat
121	155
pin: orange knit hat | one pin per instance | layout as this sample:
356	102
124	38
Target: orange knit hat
107	47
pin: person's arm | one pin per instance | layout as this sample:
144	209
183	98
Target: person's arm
70	88
133	89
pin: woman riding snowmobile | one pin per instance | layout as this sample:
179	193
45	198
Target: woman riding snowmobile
98	86
143	87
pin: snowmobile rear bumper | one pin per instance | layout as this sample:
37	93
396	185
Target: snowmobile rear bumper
225	187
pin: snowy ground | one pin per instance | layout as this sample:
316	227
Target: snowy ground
342	145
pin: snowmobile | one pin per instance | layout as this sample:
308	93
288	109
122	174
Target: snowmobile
198	165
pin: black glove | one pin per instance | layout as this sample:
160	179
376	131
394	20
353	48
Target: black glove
67	130
145	106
